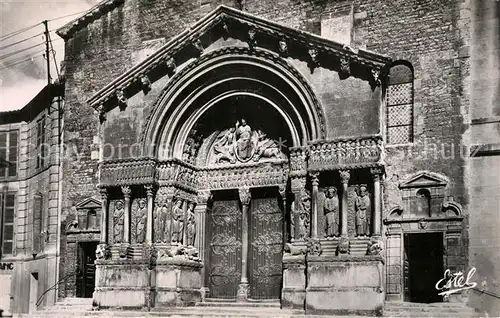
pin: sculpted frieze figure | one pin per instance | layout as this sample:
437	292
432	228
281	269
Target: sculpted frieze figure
118	221
301	214
331	211
362	207
140	222
242	144
177	222
191	225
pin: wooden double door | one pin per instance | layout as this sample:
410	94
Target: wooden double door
265	245
86	269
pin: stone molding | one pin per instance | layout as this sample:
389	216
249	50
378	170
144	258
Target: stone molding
229	22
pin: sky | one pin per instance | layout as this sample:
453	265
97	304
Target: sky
23	74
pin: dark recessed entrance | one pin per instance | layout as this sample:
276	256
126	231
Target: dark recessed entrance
86	269
423	266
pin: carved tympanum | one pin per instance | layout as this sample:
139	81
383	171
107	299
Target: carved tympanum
242	144
362	206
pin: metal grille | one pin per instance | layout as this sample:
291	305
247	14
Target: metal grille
399	134
399	115
399	94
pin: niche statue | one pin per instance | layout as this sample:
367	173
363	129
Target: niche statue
331	211
363	208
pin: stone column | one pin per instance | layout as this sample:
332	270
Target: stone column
149	220
376	174
204	197
314	199
243	287
104	216
298	186
126	215
344	245
344	178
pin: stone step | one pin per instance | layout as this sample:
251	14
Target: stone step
213	302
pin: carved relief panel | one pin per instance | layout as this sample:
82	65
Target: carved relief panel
116	216
138	220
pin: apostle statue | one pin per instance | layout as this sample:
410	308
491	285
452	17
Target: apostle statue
362	206
331	211
177	222
301	228
244	140
118	222
141	222
191	225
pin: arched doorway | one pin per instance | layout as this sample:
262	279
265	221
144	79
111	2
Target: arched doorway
230	120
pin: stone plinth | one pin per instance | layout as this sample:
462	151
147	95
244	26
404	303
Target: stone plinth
121	284
178	282
345	285
293	293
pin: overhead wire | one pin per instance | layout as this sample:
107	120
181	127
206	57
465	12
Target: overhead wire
21	41
2	57
14	33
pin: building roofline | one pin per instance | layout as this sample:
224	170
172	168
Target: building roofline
34	106
216	20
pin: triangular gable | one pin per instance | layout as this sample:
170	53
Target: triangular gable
89	203
225	22
424	179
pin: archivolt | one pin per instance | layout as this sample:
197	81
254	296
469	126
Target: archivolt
192	91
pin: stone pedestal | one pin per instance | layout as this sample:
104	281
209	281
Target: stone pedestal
178	282
346	285
121	284
293	293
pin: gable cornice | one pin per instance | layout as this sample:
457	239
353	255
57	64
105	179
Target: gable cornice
228	22
435	180
94	13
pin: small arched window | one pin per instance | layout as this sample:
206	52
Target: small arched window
400	104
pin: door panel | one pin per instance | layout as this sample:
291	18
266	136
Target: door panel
265	248
89	274
224	273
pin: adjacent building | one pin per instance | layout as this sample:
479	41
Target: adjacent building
29	202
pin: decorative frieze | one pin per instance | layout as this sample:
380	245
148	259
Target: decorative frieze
127	172
346	153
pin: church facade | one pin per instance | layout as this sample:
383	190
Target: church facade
327	155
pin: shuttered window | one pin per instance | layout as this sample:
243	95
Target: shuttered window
400	105
9	153
41	146
7	207
37	223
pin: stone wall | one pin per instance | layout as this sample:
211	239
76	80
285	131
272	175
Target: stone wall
430	34
483	170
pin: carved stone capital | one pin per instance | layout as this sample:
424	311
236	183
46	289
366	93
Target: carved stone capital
149	190
298	184
315	179
145	83
104	193
121	99
282	191
345	175
376	173
245	195
126	192
204	196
